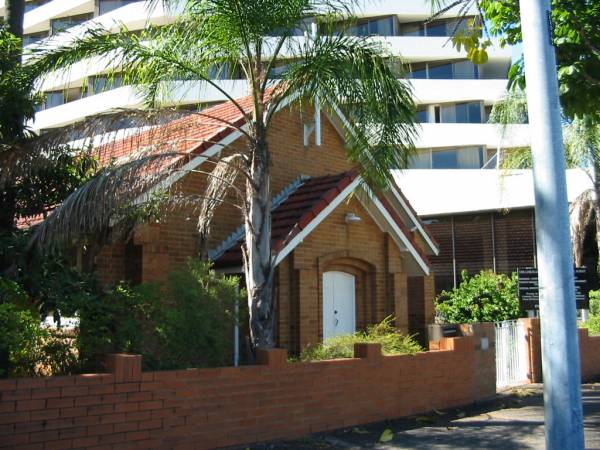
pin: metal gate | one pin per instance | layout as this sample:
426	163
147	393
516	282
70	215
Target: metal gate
512	362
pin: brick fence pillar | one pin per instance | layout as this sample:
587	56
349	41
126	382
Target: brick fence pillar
124	367
272	357
367	351
534	343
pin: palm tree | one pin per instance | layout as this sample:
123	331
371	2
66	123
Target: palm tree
253	36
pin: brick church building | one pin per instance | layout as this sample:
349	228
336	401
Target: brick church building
344	260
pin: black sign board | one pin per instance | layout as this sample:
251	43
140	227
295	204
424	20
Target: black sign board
529	294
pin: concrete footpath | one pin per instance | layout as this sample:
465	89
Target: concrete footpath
515	419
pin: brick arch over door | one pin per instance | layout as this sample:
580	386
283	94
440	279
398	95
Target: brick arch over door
365	287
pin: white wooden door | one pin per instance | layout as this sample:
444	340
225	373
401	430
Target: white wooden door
339	311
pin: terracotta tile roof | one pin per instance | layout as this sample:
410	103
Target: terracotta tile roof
295	213
192	134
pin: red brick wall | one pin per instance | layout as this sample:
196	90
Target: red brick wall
227	406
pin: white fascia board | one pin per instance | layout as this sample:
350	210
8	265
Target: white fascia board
193	164
445	135
297	240
415	220
398	235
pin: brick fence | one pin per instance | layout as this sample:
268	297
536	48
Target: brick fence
589	347
206	408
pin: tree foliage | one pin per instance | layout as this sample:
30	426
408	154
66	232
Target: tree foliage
485	297
576	37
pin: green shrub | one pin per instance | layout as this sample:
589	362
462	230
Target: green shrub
593	325
392	341
185	322
22	340
595	303
197	320
486	297
116	322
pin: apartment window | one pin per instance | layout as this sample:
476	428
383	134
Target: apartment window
420	160
440	71
34	38
225	72
30	6
418	71
422	114
57	98
382	26
54	98
463	158
462	70
469	112
64	23
103	83
412	29
445	28
451	158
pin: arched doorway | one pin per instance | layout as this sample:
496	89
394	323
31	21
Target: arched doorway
339	304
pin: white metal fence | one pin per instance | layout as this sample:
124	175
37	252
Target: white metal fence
512	362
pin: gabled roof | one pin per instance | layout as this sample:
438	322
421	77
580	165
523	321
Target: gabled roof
193	134
288	218
205	134
310	201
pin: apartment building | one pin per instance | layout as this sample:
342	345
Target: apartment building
454	96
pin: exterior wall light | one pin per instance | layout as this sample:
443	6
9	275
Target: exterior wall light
352	218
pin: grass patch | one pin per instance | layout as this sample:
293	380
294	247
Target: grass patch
392	341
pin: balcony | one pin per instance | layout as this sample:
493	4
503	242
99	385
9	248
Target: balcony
38	20
431	48
440	135
444	91
127	97
461	191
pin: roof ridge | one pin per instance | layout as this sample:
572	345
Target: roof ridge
234	237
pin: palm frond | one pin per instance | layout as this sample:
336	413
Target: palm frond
356	76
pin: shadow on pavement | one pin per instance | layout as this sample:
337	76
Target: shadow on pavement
512	420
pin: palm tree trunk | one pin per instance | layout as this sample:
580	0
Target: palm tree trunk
258	261
15	12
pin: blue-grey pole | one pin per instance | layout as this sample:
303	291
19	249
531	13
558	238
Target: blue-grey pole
560	342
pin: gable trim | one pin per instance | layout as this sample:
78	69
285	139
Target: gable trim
320	217
399	236
426	236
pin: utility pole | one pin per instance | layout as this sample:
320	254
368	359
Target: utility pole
560	341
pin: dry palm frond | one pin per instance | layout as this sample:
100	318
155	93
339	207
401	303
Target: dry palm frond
107	201
222	179
581	213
